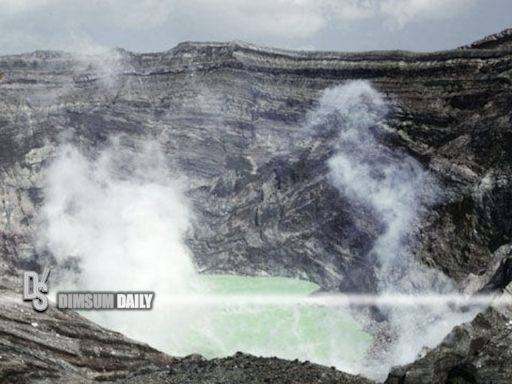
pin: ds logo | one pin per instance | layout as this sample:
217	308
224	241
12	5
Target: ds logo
35	290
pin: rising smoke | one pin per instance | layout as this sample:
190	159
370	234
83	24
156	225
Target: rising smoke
395	186
399	191
118	222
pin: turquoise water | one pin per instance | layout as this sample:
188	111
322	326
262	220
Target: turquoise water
325	335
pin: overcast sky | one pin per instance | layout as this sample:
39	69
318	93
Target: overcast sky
156	25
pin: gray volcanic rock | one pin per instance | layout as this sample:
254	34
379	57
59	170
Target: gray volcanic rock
475	352
498	40
61	346
244	368
231	116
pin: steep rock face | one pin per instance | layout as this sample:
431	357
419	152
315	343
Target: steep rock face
475	352
61	346
231	118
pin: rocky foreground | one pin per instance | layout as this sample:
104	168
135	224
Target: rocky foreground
230	118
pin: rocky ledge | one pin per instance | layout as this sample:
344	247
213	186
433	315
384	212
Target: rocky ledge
475	352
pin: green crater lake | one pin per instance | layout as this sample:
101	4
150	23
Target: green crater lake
325	335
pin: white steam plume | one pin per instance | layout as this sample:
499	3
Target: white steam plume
118	223
398	190
393	185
